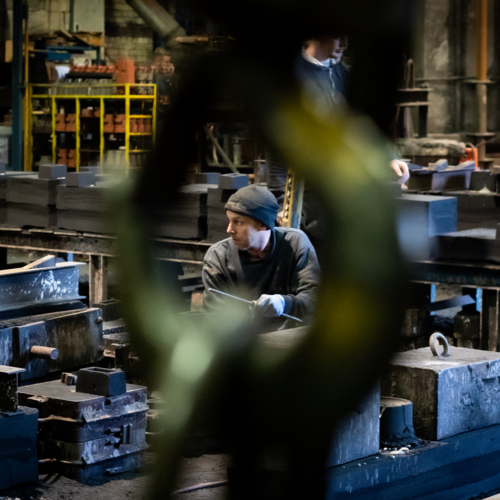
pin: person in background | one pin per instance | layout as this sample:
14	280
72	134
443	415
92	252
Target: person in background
325	77
163	75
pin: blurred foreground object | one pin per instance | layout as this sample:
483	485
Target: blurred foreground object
265	400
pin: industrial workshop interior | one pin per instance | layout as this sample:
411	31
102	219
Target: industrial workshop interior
249	250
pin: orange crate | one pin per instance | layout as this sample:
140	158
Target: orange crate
125	71
120	123
133	125
62	156
109	125
71	122
60	122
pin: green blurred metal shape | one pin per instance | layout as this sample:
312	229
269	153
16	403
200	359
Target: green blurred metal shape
218	369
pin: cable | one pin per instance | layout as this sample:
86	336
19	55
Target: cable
202	486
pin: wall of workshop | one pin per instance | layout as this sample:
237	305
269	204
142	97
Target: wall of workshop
445	57
127	35
45	16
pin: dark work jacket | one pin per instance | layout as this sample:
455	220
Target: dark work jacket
291	270
327	87
327	84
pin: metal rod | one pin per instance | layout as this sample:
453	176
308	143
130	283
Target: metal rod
249	302
42	352
226	159
482	39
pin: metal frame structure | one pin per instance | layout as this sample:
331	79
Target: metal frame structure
91	92
98	248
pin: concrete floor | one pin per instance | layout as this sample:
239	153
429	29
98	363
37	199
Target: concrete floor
127	486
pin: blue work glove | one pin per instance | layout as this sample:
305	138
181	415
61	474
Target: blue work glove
270	306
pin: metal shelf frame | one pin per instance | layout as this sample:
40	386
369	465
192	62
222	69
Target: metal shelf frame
82	92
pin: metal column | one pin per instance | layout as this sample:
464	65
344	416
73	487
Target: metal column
17	85
482	67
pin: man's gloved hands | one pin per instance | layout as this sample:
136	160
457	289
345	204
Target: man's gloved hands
401	169
270	306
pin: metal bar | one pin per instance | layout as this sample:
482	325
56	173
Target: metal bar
489	321
474	275
98	279
101	131
191	252
77	134
43	352
127	130
221	151
28	131
85	96
249	302
54	133
460	301
24	287
17	86
27	100
294	196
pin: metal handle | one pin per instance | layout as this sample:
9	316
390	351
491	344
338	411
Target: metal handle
433	342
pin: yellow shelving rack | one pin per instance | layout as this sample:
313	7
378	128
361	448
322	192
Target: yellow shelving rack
81	91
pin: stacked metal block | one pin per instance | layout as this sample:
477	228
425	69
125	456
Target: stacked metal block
81	203
31	199
217	220
421	218
96	428
186	217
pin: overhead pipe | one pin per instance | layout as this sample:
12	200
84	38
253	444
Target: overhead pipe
161	22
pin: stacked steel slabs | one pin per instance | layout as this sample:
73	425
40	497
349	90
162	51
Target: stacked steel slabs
96	429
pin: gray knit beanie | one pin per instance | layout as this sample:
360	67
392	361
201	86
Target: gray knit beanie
256	202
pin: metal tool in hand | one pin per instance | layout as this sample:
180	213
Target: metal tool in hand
251	303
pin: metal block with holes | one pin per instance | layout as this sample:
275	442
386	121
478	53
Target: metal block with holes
86	435
450	395
101	381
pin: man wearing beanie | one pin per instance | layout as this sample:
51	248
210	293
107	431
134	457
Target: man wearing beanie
276	267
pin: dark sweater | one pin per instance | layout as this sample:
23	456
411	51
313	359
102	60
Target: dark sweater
291	269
